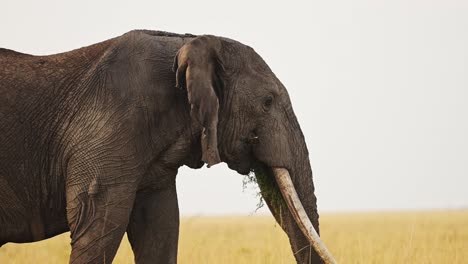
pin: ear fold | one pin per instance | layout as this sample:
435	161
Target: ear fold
195	66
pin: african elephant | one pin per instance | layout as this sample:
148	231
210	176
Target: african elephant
91	141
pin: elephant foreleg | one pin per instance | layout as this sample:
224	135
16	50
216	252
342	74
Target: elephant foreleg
98	223
153	230
100	193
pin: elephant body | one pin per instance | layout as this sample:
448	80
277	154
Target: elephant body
91	141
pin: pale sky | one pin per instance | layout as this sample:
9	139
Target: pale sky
380	88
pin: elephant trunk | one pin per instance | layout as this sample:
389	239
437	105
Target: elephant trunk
286	187
286	184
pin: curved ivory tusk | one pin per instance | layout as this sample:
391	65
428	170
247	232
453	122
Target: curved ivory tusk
283	179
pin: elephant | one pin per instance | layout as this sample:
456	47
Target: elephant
91	141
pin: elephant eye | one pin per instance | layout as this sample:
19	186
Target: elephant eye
267	102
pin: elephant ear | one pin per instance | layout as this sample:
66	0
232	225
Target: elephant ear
195	66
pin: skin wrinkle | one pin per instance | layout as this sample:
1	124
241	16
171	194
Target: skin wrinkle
39	120
112	131
92	69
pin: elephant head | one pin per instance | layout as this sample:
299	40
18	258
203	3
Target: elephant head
247	121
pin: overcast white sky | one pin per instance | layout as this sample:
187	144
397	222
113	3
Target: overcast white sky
380	88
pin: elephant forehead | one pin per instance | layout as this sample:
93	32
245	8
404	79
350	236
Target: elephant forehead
260	82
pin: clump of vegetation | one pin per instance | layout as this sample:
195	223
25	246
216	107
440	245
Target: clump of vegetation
263	177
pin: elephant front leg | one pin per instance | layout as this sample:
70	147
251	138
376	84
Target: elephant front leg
100	193
98	223
153	230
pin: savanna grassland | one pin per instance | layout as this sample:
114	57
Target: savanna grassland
404	237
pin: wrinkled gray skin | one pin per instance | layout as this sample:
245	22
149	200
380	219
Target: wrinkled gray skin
91	140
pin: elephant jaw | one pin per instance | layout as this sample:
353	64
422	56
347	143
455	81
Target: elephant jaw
286	187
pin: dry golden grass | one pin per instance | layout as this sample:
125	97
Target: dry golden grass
412	237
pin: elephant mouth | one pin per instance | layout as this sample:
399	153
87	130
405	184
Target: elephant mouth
289	196
241	167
